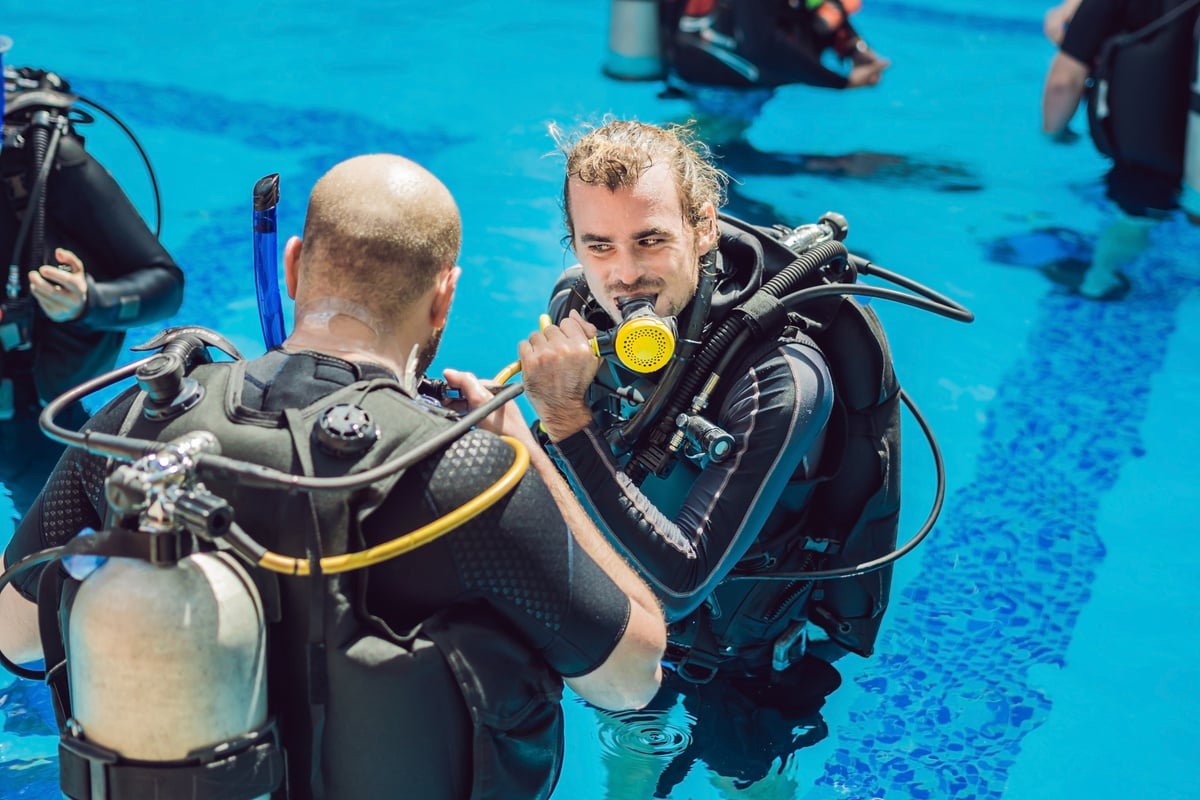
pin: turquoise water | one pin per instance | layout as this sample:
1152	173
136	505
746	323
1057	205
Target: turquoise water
1041	642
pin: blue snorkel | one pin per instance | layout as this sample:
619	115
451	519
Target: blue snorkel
266	261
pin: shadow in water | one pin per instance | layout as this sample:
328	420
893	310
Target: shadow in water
1061	254
740	730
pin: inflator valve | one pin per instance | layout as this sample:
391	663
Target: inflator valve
346	431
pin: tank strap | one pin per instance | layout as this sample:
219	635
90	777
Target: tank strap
54	651
694	651
239	769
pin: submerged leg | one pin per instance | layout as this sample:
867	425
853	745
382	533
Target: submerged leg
1120	243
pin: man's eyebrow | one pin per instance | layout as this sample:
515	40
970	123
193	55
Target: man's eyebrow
648	233
652	233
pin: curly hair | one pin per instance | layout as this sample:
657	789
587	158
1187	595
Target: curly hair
616	152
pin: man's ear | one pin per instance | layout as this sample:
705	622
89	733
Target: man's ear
291	264
443	296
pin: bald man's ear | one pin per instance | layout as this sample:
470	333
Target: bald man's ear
443	296
291	264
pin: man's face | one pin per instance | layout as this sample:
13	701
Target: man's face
634	242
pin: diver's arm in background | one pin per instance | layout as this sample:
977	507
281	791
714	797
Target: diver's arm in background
630	675
19	638
1056	19
1092	23
776	413
132	280
1064	88
74	509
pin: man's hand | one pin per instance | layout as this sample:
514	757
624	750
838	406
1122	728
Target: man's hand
61	290
506	421
868	68
558	365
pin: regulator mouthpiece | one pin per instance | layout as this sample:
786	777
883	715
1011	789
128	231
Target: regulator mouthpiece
643	342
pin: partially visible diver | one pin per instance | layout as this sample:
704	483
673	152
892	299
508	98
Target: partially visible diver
728	58
1134	61
83	268
434	674
737	461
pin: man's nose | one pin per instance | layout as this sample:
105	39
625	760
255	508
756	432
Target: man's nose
626	269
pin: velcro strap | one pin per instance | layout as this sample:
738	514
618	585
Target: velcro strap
88	772
765	314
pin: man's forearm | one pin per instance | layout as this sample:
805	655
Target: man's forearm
588	536
19	639
1064	88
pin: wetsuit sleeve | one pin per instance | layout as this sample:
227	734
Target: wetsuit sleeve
777	414
132	280
1094	22
791	47
517	556
71	500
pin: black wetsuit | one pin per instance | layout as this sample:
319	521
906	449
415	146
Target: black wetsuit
752	43
1137	188
515	573
132	281
686	533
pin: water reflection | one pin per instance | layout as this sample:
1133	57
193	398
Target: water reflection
743	733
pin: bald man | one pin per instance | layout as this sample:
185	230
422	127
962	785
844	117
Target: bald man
440	671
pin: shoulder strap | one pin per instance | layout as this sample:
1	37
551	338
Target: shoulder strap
1165	20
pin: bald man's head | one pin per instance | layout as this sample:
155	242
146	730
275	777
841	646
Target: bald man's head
379	230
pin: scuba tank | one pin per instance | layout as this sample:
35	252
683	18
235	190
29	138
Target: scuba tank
165	648
153	635
186	671
634	49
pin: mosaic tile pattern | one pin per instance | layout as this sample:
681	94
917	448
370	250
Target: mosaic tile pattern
948	701
1008	569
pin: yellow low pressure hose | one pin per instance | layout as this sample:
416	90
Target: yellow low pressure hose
288	565
414	539
505	375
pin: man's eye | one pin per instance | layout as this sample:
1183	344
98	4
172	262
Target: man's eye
599	248
650	242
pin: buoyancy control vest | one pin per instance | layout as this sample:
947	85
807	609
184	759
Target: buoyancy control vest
341	682
852	510
851	514
1139	90
754	43
37	107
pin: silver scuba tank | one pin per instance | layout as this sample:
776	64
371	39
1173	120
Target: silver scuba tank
164	660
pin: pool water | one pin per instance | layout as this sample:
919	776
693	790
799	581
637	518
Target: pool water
1041	642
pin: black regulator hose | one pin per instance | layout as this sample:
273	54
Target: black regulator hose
131	449
158	210
735	329
39	142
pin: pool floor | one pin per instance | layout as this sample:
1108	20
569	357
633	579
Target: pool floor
1041	643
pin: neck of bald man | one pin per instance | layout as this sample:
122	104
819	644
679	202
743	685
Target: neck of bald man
344	329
